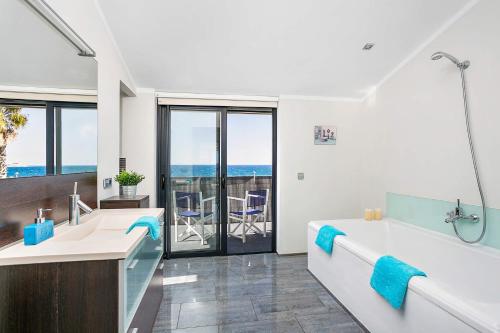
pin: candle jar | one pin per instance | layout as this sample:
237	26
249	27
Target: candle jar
368	214
377	214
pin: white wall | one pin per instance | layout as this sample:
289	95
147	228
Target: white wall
139	139
84	17
409	137
331	187
417	118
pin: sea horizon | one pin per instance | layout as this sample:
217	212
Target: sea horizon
177	170
40	170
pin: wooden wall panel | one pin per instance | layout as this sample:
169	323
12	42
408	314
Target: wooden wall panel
20	197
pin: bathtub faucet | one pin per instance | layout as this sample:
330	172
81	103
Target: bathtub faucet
458	214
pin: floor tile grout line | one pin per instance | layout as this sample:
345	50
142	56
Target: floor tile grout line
253	308
298	322
178	317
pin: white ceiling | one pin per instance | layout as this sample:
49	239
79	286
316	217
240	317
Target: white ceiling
35	55
270	47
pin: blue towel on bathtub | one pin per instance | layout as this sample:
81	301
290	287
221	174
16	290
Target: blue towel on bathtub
390	279
326	236
147	221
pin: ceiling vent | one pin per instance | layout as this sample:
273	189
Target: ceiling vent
368	46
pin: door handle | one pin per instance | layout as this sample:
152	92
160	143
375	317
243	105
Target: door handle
223	181
162	182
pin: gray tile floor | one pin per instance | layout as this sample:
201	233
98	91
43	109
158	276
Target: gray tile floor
247	294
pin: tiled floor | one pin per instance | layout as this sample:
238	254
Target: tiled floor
247	294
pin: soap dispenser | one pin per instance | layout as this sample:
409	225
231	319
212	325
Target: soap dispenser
40	230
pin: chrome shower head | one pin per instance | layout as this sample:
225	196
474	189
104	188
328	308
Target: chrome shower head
438	55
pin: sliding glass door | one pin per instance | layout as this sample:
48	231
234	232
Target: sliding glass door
249	182
216	179
194	180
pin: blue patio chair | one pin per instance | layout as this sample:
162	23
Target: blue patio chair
253	208
190	209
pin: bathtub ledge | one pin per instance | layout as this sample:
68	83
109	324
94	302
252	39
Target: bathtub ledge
422	286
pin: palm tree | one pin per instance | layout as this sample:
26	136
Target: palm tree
11	120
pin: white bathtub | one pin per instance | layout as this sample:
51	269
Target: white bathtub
460	294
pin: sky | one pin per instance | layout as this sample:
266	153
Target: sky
79	138
249	139
194	138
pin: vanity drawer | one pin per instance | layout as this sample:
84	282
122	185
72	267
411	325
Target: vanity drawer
138	270
145	315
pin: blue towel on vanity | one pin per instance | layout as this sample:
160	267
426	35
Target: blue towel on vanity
326	235
390	279
147	221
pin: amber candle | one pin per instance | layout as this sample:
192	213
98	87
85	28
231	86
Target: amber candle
378	214
368	214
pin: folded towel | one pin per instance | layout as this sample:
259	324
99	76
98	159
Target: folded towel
326	235
147	221
390	279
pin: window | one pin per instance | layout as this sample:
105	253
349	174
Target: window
23	144
31	146
78	140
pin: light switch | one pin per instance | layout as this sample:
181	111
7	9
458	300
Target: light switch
300	176
106	182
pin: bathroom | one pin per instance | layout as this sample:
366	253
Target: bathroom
302	114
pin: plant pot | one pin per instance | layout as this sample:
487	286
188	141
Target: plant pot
129	191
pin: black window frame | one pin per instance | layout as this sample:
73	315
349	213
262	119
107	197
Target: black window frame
53	142
163	176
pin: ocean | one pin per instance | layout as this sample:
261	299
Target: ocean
209	170
177	170
38	170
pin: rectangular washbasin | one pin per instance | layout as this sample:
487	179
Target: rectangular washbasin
99	225
100	236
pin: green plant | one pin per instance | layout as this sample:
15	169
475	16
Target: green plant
11	120
126	178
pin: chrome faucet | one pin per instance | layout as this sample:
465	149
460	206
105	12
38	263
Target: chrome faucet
75	204
458	214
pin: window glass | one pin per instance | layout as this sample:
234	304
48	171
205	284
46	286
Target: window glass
78	140
22	141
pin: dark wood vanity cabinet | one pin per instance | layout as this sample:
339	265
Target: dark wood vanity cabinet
84	296
60	297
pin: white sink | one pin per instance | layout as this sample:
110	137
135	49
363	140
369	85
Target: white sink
95	227
100	235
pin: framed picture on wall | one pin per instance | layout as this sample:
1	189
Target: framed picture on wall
325	135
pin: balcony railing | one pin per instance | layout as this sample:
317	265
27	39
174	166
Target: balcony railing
236	187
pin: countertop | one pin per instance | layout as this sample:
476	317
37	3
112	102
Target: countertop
100	236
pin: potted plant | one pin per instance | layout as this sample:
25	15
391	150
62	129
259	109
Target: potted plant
128	180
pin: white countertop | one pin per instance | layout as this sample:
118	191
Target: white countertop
100	236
